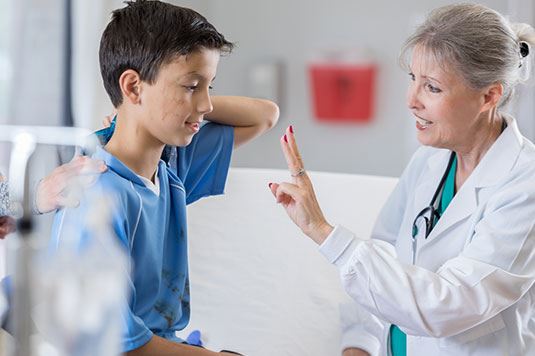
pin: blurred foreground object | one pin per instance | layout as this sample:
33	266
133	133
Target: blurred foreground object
76	294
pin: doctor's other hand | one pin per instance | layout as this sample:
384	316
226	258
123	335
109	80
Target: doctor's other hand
298	198
54	191
355	352
7	226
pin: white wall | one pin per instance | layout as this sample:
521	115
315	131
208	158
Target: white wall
524	106
292	31
35	45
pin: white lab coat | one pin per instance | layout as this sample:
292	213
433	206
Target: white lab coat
470	289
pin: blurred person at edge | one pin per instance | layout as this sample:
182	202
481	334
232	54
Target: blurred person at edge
7	223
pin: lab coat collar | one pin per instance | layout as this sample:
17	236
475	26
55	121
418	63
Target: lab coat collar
501	157
495	165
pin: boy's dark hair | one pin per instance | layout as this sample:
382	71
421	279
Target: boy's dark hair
145	35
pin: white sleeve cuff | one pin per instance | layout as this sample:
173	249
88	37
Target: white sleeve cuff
339	246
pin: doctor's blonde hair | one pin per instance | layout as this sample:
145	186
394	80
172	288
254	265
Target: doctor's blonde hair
480	44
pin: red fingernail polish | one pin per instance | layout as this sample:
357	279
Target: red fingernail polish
291	129
270	184
285	138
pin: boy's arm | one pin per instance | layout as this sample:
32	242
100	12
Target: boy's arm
158	346
250	117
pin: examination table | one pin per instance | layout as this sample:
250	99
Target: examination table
258	285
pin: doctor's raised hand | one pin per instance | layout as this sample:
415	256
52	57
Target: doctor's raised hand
298	197
449	267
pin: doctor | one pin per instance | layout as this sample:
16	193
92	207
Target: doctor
450	266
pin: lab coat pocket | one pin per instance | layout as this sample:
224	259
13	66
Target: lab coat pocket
487	328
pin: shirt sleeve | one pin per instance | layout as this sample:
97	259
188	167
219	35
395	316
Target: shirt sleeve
360	328
136	333
70	230
203	165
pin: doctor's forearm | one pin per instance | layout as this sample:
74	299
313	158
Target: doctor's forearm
420	301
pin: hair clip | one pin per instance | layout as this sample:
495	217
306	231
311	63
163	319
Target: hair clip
524	48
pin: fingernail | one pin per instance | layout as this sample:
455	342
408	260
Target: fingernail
291	129
285	138
270	184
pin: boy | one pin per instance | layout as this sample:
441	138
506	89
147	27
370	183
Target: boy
158	62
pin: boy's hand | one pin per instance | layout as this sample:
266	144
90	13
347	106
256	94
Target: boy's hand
53	191
108	119
355	352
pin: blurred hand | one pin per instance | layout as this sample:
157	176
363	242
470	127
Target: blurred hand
7	226
53	191
355	352
298	198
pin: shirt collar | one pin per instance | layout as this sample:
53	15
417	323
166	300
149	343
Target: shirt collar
117	166
104	135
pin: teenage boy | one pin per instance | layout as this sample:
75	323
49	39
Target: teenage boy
158	62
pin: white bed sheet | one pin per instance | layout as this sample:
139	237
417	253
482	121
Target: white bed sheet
258	285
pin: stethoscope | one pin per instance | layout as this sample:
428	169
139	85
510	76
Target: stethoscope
430	220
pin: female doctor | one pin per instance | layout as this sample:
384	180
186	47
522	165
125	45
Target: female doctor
450	266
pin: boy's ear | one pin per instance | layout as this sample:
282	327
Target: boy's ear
492	95
130	84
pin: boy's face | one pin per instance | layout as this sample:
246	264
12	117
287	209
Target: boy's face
174	106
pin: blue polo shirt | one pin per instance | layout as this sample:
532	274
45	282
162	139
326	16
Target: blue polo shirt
152	228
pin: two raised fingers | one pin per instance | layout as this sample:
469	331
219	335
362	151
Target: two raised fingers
292	155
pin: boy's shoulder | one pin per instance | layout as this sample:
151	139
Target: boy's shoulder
170	174
118	181
124	185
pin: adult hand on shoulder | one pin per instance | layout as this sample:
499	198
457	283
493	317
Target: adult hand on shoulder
53	191
298	198
7	226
